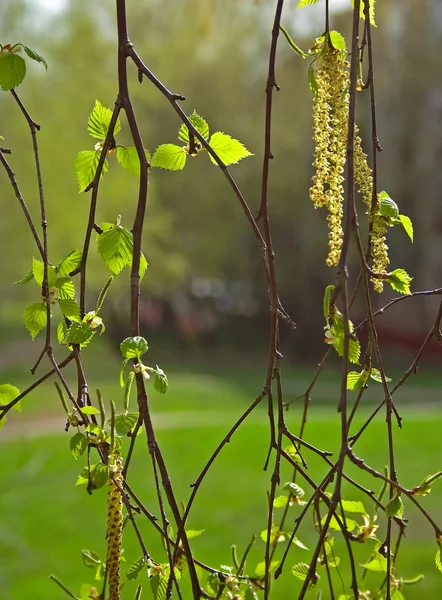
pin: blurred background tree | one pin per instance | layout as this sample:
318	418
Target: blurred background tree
204	272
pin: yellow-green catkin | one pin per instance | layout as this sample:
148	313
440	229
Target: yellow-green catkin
378	230
114	524
330	123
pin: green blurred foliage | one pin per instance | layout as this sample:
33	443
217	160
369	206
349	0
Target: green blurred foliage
215	53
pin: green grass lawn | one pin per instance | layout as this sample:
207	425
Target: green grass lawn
45	521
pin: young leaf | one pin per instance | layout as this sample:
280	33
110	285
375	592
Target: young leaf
8	393
69	308
306	3
312	81
115	247
370	11
300	571
193	533
395	508
376	376
353	506
99	121
438	560
35	318
78	445
38	272
407	225
387	206
78	333
229	150
280	502
170	157
90	559
337	41
12	70
161	382
86	163
294	489
66	288
200	125
99	476
26	279
158	584
90	410
261	567
34	56
291	43
128	159
356	381
299	544
69	263
400	281
276	535
136	568
61	331
379	563
134	347
125	423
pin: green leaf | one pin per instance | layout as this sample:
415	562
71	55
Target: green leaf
115	247
397	595
90	410
353	506
99	121
356	381
78	444
193	533
376	376
387	206
90	559
12	70
395	508
161	382
327	299
370	10
26	279
69	263
158	584
280	502
291	43
200	125
261	567
86	163
438	560
143	266
99	476
400	281
35	318
124	423
128	159
69	308
407	225
300	571
299	544
8	393
34	56
38	272
134	347
61	331
350	523
337	41
303	3
276	535
170	157
379	563
228	149
66	288
294	489
78	333
136	568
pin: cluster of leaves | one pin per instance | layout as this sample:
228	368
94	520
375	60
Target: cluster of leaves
13	66
173	157
335	329
167	156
